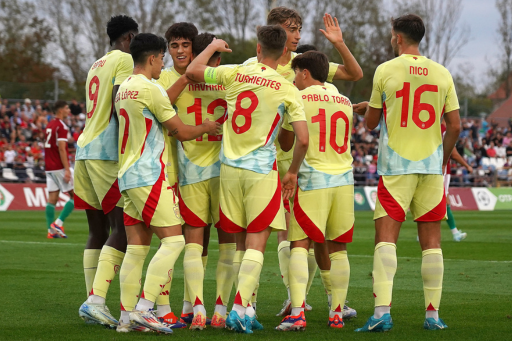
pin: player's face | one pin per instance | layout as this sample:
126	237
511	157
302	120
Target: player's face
299	79
157	65
293	34
181	53
394	42
66	111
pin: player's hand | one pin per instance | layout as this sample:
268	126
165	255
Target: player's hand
332	29
470	169
288	185
360	108
67	176
444	168
220	45
213	128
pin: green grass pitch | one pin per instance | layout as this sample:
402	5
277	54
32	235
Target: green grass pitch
42	285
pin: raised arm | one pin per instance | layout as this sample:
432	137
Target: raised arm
195	70
350	70
177	88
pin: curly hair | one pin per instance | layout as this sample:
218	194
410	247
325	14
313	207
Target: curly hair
184	30
119	25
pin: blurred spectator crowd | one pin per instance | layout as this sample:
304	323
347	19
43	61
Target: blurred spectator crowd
485	146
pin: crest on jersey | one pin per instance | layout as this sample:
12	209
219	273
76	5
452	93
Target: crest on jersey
263	68
415	58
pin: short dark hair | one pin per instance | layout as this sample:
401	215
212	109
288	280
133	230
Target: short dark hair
411	26
305	48
272	39
59	105
315	62
201	41
184	30
144	45
119	25
280	15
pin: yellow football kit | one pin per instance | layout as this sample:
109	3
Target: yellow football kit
323	207
198	160
98	141
257	100
167	78
142	106
413	92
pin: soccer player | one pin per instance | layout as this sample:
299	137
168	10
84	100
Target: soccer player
250	191
179	38
59	175
291	21
150	203
410	95
96	168
323	208
199	171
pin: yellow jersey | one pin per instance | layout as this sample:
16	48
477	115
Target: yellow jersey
258	98
289	74
142	106
328	161
198	160
168	77
98	141
414	92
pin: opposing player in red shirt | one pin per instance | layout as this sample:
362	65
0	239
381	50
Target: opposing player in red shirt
59	175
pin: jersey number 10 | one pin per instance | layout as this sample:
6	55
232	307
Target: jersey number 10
320	118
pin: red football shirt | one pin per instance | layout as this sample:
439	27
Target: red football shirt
56	130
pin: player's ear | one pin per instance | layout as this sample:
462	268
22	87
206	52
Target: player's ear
218	62
258	48
284	51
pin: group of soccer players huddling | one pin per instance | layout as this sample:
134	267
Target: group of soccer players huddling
250	149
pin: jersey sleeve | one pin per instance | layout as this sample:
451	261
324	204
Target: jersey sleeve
376	98
62	132
332	71
160	105
124	68
286	125
451	102
295	106
222	75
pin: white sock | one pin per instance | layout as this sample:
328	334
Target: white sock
249	311
96	299
334	313
432	313
221	309
144	305
380	311
125	316
162	310
289	296
59	222
199	308
329	299
240	310
254	306
296	311
187	307
454	230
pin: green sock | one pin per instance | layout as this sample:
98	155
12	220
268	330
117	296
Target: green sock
50	214
451	219
66	211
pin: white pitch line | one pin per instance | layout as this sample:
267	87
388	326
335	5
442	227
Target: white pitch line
268	251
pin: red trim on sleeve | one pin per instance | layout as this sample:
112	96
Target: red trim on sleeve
265	218
227	225
345	237
129	221
82	205
390	205
111	198
437	213
307	225
190	217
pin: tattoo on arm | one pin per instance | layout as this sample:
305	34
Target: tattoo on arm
174	132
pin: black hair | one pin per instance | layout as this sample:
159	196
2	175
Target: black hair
411	26
59	105
183	30
272	39
144	45
315	62
119	25
305	48
201	41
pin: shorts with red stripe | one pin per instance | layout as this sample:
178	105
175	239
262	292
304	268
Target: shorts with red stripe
155	205
96	186
199	203
250	201
422	193
323	214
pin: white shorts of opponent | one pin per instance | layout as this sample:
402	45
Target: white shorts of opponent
55	181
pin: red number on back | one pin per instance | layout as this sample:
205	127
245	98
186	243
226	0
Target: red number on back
245	112
124	114
320	118
196	108
219	102
418	107
93	96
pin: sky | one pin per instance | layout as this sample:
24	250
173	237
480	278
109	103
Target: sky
482	17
